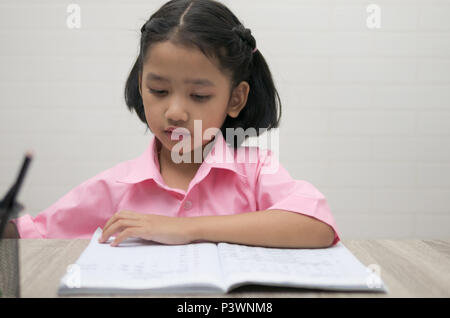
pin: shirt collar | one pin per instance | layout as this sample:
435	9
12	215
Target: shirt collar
146	166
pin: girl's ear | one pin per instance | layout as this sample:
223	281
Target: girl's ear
238	99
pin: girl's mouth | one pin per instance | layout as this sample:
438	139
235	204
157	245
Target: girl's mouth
174	136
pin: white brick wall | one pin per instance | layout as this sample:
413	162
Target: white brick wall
366	113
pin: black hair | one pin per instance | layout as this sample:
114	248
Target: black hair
211	27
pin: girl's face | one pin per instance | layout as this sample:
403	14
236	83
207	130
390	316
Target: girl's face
179	85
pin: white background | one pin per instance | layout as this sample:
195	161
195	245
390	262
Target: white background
366	112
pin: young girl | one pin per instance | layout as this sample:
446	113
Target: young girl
197	64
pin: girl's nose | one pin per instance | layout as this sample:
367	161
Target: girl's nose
176	113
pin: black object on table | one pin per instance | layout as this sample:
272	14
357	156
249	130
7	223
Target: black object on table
9	248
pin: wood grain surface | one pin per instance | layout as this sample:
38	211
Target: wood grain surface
409	268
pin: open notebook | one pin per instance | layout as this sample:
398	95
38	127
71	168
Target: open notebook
137	266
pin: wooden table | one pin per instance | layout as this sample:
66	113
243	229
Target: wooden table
409	268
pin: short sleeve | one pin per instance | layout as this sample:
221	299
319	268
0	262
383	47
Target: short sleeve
77	214
276	189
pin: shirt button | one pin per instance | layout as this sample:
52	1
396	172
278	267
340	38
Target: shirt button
187	205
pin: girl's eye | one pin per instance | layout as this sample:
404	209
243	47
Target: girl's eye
157	92
162	92
201	98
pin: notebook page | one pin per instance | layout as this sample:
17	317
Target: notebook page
328	268
141	264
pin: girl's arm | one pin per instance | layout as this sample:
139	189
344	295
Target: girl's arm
270	228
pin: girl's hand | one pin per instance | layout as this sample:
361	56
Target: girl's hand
158	228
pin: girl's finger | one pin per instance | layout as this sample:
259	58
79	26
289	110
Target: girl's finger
118	226
117	216
128	232
110	221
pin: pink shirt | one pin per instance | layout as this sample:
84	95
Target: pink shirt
253	180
